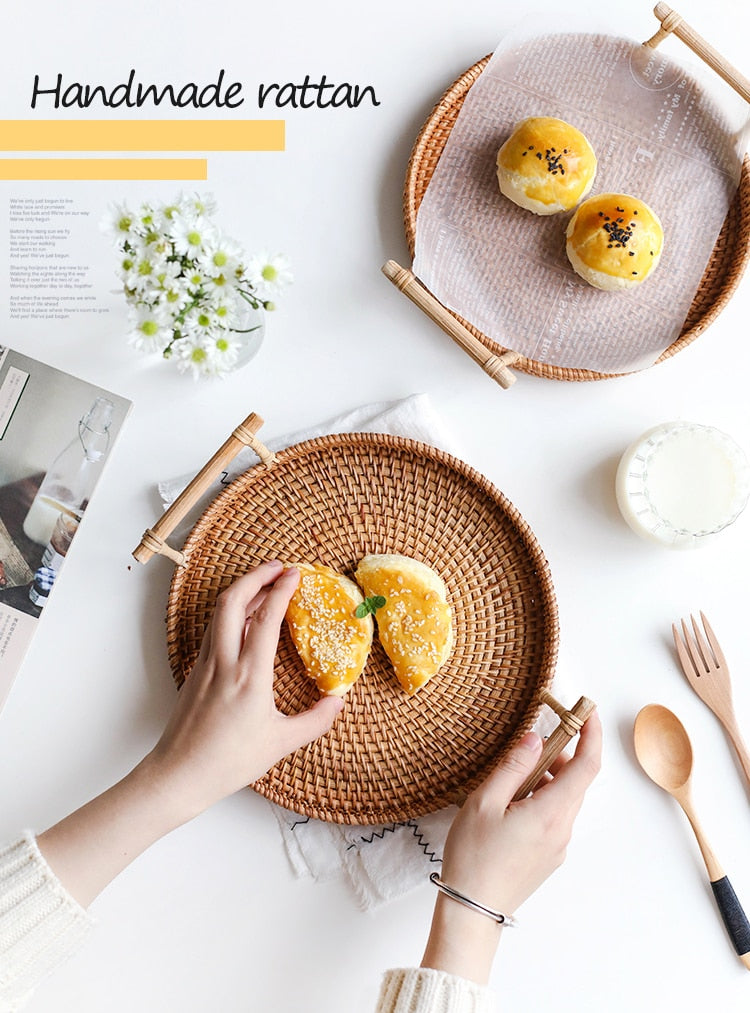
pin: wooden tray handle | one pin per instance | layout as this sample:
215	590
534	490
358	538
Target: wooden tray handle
571	722
153	540
495	366
671	21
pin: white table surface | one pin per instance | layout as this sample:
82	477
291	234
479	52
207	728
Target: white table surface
212	917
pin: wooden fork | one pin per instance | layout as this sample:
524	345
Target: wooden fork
707	672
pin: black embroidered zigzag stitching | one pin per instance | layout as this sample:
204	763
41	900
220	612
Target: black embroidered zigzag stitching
424	845
418	836
377	833
299	823
225	479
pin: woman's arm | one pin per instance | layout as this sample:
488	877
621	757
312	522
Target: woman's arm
498	852
224	733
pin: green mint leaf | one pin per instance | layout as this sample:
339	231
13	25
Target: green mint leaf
369	606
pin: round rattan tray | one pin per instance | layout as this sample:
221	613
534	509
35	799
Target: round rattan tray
388	757
720	279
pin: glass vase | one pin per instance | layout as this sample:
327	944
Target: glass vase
248	330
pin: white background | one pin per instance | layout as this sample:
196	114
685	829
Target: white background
212	918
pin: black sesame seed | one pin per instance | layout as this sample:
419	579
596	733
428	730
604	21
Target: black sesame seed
635	212
631	254
634	272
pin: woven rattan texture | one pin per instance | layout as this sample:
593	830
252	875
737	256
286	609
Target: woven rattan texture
389	757
720	279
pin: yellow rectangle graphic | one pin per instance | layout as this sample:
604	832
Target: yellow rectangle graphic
142	135
103	168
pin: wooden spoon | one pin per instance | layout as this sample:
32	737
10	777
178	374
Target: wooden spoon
664	751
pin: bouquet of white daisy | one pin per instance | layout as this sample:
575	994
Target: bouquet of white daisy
188	286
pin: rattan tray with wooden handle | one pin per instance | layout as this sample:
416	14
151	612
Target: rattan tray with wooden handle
720	279
388	757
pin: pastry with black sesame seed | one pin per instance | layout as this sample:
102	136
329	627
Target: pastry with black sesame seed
546	165
614	241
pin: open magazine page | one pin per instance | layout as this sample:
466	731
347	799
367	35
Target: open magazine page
56	433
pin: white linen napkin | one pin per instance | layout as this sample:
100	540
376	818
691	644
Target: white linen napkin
384	861
411	416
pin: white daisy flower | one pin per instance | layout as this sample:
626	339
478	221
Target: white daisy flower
190	235
268	274
164	215
152	327
204	354
174	297
226	353
125	267
222	283
147	219
192	353
168	273
221	259
225	307
119	223
143	278
200	320
196	205
195	280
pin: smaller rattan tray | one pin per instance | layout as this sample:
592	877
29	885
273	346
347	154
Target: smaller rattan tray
720	279
388	757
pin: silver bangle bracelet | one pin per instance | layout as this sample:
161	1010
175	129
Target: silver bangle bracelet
497	916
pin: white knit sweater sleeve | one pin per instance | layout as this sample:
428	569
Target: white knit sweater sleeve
40	923
423	990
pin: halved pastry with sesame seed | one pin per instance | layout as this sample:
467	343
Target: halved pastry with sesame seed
415	624
331	639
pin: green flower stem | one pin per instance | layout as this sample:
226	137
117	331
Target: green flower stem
249	298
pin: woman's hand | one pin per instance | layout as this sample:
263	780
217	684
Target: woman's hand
224	733
498	852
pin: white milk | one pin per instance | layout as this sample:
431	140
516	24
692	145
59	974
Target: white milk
41	519
682	483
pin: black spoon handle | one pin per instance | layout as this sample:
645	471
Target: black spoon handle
734	917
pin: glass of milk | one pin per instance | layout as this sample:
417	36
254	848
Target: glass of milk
682	483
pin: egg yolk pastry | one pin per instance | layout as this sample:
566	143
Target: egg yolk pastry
546	165
415	624
614	241
331	640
